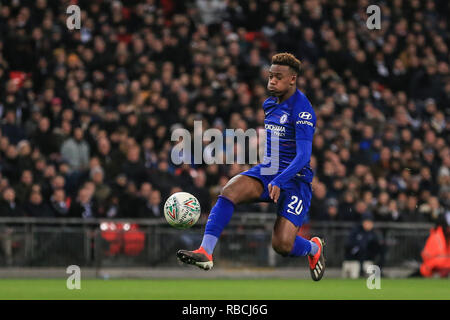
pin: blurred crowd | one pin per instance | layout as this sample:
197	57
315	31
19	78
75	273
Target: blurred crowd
87	115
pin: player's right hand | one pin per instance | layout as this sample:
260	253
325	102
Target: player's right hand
274	192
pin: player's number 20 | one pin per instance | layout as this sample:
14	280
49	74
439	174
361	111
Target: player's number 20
296	209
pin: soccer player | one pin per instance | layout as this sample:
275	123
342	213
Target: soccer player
290	124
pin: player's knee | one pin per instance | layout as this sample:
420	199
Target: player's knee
229	193
282	246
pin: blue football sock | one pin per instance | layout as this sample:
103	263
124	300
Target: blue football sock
302	247
209	243
218	219
314	248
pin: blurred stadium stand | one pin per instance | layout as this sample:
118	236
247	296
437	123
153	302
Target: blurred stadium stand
86	118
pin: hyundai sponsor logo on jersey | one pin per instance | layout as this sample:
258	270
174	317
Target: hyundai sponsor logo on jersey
305	115
308	123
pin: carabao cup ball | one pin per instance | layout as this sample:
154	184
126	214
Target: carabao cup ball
182	210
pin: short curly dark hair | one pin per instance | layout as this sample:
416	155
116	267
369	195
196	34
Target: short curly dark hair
287	59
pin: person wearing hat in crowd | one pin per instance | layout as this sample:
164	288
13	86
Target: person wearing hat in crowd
332	213
364	244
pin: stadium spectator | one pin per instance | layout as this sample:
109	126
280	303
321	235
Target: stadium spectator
11	129
107	158
200	191
363	243
129	200
117	88
36	207
318	202
345	209
75	151
151	207
133	167
83	206
44	139
8	208
331	213
102	190
8	204
23	188
58	203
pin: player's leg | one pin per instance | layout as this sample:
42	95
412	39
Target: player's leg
293	206
240	189
286	242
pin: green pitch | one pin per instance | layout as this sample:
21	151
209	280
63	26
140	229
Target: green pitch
189	289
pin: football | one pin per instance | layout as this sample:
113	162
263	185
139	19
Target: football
182	210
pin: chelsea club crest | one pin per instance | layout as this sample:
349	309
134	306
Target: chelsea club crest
283	118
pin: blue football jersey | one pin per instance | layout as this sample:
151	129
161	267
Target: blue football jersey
292	120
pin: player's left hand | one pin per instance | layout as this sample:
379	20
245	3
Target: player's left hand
274	192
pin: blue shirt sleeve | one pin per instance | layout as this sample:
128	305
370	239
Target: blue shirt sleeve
305	123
